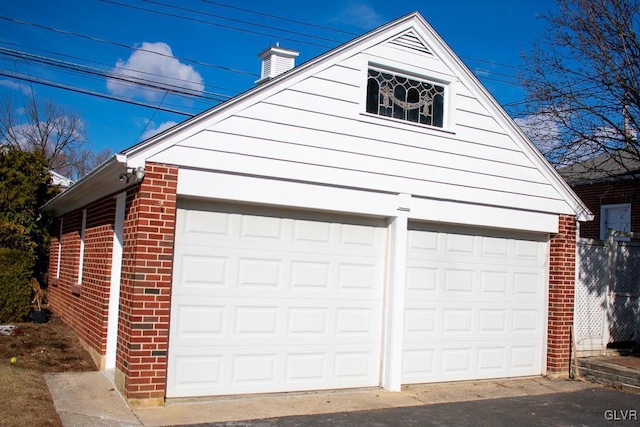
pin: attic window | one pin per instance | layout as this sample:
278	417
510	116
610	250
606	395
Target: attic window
405	99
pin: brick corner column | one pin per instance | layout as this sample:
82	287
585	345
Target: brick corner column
141	365
562	276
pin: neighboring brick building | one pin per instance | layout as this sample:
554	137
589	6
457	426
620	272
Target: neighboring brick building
609	185
370	218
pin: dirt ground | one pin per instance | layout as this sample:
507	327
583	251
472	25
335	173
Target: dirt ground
39	348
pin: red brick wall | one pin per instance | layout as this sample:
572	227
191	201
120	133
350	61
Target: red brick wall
83	307
608	193
562	269
146	283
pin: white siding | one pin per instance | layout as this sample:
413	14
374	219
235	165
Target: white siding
315	131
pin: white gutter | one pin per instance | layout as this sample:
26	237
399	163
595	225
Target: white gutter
101	181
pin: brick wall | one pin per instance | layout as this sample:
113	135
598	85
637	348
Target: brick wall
608	193
562	269
146	284
83	305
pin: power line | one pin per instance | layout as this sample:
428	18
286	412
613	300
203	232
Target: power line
230	27
95	39
284	38
111	66
23	77
255	12
239	21
153	84
336	30
141	81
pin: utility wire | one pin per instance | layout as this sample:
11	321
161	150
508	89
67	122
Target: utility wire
111	66
336	30
23	77
268	15
234	28
173	15
213	15
95	39
176	89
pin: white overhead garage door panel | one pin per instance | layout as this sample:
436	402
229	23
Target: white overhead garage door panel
268	302
474	305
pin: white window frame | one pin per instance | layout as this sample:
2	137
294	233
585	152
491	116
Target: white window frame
59	249
414	73
82	232
603	218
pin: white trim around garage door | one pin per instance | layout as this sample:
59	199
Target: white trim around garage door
269	300
475	304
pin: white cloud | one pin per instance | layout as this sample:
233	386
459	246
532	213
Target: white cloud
153	61
361	15
542	129
152	129
10	84
24	88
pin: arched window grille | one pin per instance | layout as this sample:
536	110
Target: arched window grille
405	99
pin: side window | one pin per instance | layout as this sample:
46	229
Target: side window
615	217
59	249
82	233
403	98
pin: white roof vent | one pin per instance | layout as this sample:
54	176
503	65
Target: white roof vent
275	61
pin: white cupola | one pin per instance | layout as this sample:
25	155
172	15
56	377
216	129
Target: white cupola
275	61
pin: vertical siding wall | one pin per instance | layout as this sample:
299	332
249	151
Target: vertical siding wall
141	362
562	275
84	305
608	193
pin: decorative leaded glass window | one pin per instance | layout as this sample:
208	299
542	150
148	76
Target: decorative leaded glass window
404	98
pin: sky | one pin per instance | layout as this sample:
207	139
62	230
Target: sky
209	49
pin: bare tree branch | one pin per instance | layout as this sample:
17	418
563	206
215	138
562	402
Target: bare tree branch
582	80
53	130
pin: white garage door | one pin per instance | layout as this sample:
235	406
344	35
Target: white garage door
270	302
474	305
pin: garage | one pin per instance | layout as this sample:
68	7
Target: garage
474	304
265	300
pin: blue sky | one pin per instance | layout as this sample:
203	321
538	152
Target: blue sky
489	36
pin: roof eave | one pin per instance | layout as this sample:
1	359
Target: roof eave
100	182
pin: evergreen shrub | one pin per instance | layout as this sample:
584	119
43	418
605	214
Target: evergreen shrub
16	269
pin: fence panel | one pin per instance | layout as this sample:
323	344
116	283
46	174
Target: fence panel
624	308
607	307
591	288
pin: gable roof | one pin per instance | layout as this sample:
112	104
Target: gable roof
616	165
408	32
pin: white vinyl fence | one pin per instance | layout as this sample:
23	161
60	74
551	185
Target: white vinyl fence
607	308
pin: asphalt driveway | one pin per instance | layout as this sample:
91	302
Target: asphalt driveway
591	407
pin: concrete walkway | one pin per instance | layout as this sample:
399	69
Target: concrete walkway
90	398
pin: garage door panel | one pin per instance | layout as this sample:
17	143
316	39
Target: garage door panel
239	228
474	304
256	273
452	362
212	370
274	303
436	280
478	324
225	321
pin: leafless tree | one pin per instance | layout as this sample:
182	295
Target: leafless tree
52	129
583	82
82	161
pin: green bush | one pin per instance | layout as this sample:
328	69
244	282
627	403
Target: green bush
16	268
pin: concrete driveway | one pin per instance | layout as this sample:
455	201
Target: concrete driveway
89	398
